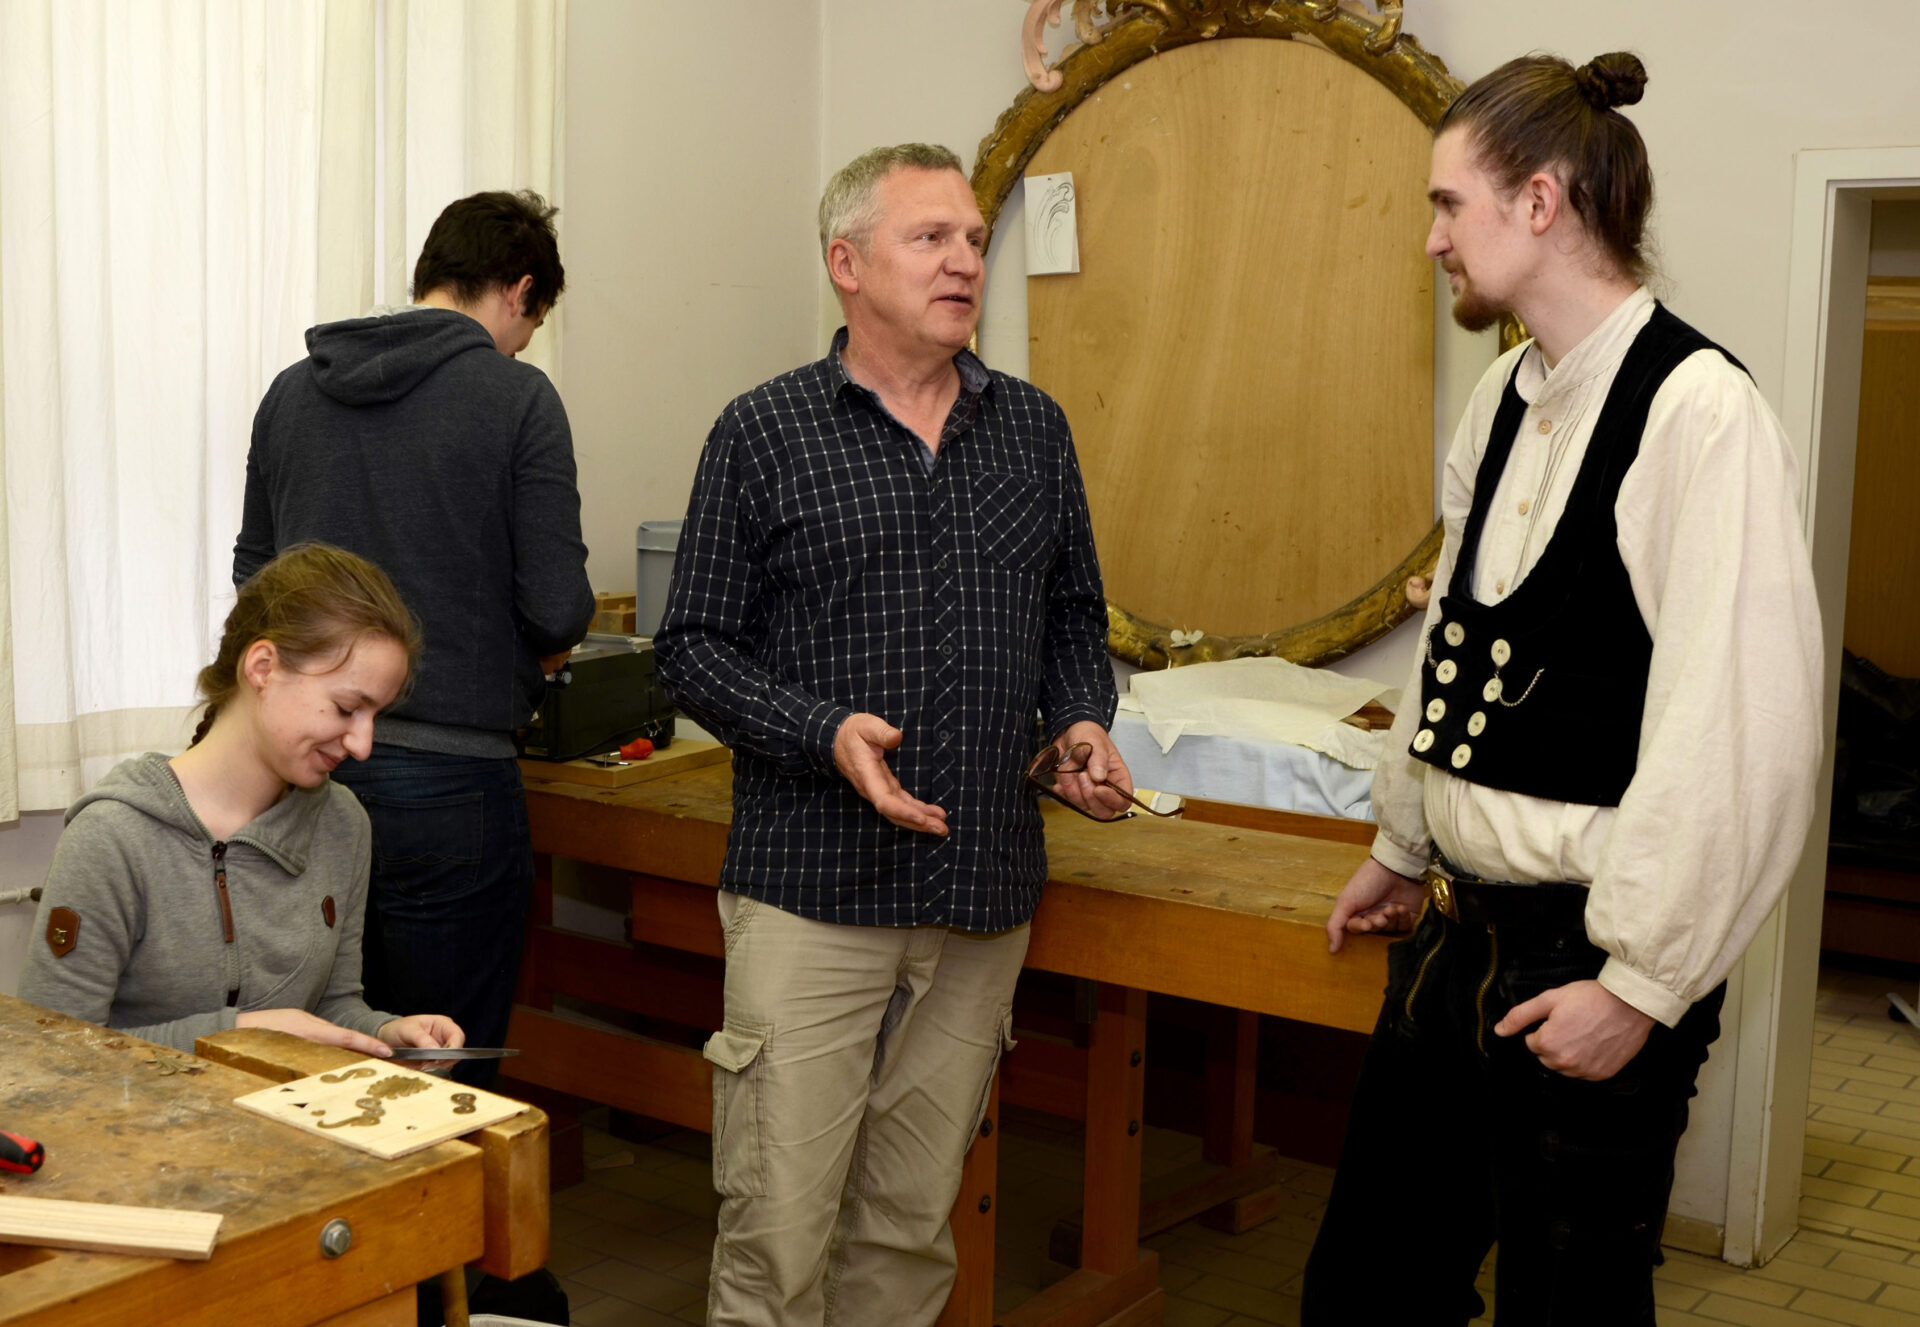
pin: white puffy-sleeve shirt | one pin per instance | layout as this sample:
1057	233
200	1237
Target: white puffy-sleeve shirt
1704	840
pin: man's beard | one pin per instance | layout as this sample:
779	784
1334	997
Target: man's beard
1472	312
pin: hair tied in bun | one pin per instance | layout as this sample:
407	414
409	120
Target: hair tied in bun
1611	80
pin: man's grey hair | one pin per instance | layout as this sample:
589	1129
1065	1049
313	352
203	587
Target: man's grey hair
850	207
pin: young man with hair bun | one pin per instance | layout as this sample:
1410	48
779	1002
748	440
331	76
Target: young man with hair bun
1602	776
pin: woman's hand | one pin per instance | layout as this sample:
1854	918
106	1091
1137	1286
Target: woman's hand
423	1030
303	1024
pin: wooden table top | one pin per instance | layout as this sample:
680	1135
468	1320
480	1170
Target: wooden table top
124	1121
1213	912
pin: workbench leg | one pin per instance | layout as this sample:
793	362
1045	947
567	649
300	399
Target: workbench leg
1233	1043
1233	1058
453	1296
1116	1092
971	1304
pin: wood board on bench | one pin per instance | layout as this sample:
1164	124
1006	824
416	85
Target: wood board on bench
684	754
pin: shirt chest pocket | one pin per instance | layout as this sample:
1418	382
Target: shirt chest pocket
1013	521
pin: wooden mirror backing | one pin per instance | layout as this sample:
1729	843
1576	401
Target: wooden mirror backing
1246	355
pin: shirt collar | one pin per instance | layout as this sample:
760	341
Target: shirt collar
975	377
1599	352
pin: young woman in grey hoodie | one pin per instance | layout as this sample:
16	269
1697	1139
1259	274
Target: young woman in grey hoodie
225	887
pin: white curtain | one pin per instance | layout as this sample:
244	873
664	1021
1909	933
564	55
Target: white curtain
185	187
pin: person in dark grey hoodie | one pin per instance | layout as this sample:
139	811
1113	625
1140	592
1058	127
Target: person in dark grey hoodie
224	887
415	439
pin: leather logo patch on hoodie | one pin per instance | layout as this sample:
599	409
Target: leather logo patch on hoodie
63	929
326	910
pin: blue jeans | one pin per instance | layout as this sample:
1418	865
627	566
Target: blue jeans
452	879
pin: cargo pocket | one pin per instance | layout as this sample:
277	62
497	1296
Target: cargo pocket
1007	1043
739	1162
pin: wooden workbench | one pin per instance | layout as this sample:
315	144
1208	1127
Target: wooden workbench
1226	914
124	1121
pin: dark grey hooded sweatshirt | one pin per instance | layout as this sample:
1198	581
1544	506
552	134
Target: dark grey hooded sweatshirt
150	955
408	438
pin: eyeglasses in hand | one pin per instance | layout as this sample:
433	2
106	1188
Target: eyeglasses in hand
1052	761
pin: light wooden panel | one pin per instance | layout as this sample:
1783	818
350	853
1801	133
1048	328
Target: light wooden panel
1883	562
1246	355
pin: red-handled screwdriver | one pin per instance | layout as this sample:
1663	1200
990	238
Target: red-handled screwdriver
20	1155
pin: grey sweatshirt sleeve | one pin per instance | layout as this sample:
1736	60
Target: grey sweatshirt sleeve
551	593
93	876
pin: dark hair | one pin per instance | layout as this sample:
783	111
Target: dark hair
313	602
1539	113
491	240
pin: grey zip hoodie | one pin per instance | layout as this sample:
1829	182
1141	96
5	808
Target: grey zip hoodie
154	954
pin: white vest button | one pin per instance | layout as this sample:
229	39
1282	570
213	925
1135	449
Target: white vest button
1461	755
1477	724
1455	633
1423	740
1492	690
1436	710
1501	653
1447	671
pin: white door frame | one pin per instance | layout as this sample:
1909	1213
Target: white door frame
1833	195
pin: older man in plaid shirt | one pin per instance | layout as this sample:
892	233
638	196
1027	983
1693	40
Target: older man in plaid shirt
886	594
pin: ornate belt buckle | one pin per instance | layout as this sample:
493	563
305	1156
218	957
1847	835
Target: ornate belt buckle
1440	894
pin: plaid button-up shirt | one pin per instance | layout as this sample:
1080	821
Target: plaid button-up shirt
829	566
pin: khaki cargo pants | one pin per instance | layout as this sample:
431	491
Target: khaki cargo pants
849	1079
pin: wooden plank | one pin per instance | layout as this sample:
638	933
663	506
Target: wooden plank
1267	819
684	754
513	1153
141	1232
973	1221
1233	1049
1116	1096
677	915
648	1077
1178	1196
400	1309
1883	555
1088	1298
679	986
1046	1075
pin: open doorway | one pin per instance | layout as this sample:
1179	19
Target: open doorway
1831	258
1863	1129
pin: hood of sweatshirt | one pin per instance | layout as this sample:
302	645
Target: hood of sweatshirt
284	831
370	361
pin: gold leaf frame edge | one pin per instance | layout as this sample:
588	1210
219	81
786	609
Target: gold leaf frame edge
1396	60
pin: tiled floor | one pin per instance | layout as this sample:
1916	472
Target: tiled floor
631	1244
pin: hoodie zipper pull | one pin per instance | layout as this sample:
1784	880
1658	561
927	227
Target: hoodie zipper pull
226	907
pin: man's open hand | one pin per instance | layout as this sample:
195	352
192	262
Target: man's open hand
860	753
1586	1031
1374	899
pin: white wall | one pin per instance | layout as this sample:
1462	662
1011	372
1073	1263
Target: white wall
691	175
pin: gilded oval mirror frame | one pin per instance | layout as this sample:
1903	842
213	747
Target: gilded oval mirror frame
1120	35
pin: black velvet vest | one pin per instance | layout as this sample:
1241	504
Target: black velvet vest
1542	693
